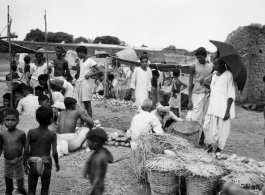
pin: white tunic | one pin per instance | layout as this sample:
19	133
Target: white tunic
141	83
222	88
144	122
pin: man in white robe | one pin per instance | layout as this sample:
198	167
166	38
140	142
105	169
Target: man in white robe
144	122
221	108
141	83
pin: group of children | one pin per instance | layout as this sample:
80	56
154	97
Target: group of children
31	155
171	97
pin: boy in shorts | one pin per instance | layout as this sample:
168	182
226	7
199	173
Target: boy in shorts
12	142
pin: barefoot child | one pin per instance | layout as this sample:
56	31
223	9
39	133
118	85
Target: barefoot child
37	152
176	89
12	142
96	167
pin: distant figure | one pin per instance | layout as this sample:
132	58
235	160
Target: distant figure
38	150
15	73
85	85
61	68
198	94
221	109
145	54
174	101
96	166
6	105
12	142
144	122
141	83
154	86
28	104
25	77
39	67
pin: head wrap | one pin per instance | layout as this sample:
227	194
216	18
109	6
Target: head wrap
161	108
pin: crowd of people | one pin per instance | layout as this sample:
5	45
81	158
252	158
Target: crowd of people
211	100
49	95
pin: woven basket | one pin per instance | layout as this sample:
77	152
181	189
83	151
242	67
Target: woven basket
201	185
192	134
162	182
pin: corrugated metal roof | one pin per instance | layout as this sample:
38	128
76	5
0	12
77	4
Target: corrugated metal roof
4	48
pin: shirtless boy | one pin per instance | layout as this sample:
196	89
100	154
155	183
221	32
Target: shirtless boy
12	142
68	118
96	166
177	87
37	152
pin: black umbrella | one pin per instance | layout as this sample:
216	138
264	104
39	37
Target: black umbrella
234	61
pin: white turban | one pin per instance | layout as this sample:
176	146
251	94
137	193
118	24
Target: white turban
162	108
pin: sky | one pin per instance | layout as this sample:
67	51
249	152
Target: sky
186	24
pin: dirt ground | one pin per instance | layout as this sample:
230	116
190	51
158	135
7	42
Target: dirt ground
246	139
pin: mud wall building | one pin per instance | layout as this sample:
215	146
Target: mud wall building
250	40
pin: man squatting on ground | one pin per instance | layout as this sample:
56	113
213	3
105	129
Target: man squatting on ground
37	152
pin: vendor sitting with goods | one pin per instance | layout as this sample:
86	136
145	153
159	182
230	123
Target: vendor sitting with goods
144	122
166	117
67	134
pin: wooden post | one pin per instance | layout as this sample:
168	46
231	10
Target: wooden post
180	92
105	80
10	58
47	56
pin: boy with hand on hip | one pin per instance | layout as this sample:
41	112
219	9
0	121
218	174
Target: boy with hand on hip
37	152
12	142
96	166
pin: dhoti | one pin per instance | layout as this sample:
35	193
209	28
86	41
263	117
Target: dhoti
71	141
216	130
14	168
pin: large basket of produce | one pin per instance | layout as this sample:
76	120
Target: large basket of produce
162	174
189	130
202	178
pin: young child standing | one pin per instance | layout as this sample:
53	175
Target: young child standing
37	152
175	95
154	87
12	142
96	167
6	105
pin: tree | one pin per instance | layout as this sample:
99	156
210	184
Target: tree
171	47
35	35
107	40
143	45
58	37
80	39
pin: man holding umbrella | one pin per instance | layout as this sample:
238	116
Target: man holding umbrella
230	69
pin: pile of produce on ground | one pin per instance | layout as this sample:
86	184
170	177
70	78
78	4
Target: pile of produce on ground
166	154
118	139
115	102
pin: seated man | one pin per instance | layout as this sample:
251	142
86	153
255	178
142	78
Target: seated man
27	105
67	134
144	122
166	117
39	90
